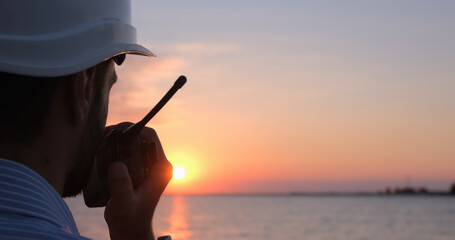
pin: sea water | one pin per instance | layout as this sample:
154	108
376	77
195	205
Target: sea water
262	217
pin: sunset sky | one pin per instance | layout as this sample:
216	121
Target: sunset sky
297	95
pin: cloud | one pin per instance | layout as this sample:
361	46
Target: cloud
205	48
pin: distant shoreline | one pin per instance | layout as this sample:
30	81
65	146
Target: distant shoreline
398	191
323	194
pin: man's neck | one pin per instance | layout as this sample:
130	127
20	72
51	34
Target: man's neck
49	155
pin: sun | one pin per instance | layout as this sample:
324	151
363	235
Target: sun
179	173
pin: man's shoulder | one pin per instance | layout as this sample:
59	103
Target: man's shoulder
20	227
30	208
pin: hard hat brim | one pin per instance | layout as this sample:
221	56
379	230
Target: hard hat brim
54	55
64	70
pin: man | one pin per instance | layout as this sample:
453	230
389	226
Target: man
57	62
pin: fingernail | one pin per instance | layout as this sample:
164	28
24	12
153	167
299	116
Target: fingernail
118	170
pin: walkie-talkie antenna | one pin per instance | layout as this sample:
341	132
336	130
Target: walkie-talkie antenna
129	134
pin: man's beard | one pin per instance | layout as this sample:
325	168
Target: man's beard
78	175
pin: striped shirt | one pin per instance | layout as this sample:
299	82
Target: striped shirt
30	208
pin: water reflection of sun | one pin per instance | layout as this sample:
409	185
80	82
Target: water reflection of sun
178	227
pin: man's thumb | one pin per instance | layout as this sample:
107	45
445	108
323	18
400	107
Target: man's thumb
119	183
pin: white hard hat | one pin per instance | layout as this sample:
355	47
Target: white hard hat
50	38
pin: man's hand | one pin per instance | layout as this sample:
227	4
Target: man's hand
129	212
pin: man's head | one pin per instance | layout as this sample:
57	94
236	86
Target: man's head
29	103
56	70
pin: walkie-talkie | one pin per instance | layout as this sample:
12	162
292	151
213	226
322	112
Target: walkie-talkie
126	146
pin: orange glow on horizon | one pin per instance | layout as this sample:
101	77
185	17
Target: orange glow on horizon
230	138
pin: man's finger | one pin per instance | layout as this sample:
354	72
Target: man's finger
119	184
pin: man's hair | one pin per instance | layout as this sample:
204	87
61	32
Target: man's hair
24	105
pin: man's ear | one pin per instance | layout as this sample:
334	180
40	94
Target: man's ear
80	90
